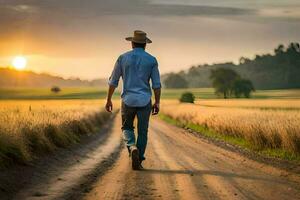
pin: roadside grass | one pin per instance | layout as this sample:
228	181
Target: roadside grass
274	129
233	140
41	139
29	129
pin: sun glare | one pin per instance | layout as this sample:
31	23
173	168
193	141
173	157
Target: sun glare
19	62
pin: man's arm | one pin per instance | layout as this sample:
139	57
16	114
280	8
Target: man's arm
156	86
113	83
109	105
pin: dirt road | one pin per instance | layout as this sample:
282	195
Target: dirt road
180	165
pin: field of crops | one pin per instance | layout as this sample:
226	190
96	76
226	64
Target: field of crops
273	124
100	93
265	104
208	93
45	93
31	128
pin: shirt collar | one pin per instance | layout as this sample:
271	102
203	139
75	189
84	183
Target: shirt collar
138	49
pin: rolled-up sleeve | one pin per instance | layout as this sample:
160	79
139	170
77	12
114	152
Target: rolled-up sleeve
155	77
116	74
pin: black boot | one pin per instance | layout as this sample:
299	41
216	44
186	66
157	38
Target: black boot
135	158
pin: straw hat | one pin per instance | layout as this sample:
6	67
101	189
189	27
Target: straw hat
139	37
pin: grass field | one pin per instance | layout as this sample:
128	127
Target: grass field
275	128
45	93
208	93
100	93
262	104
34	121
31	128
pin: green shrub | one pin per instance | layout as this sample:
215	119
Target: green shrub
55	89
187	97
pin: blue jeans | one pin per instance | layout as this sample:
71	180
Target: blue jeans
128	116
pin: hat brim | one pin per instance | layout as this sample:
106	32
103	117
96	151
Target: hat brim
132	39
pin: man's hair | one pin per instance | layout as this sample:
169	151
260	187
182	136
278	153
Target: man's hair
138	45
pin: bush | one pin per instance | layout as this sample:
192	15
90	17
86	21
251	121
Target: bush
55	89
187	97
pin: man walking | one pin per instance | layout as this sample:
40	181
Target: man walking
137	68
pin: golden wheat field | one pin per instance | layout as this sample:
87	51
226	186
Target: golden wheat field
264	128
30	128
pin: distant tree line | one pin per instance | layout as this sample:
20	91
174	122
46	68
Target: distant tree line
269	71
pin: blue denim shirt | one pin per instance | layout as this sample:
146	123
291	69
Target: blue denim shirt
136	68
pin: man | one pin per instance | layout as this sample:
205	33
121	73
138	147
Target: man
137	68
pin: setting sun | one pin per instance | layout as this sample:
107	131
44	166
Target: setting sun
19	62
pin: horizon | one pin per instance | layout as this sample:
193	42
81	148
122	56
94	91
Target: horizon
83	79
75	39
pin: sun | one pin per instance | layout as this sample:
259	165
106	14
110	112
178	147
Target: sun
19	62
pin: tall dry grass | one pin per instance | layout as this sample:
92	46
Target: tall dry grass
262	128
31	128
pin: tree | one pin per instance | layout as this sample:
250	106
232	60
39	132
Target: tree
243	87
244	60
294	47
55	89
223	80
187	97
175	81
279	49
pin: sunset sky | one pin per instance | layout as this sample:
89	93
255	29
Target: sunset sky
76	38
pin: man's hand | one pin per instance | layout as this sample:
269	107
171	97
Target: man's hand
109	106
155	109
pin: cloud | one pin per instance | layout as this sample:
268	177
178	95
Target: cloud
22	8
92	8
39	26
